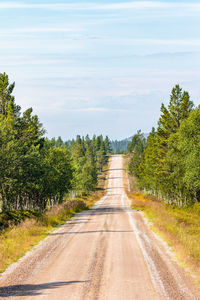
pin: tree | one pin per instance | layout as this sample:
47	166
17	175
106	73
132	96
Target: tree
101	157
159	170
184	158
137	147
7	100
108	147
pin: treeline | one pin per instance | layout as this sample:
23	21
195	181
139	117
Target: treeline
36	173
119	147
168	163
123	146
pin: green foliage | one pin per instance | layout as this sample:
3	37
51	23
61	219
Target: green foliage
88	158
169	165
11	218
183	157
7	101
37	173
136	147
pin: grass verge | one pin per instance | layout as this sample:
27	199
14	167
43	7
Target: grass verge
179	227
16	240
20	231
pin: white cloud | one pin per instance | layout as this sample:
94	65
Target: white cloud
114	6
135	5
101	109
21	61
43	29
16	31
59	109
173	42
150	5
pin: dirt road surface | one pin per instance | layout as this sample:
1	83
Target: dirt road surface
107	253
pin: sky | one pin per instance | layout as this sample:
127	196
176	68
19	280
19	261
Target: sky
99	67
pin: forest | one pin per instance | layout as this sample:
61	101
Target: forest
167	163
120	147
37	172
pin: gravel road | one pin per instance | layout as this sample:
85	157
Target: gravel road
106	253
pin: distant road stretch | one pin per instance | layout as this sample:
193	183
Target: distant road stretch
107	253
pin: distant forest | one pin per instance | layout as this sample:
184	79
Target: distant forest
121	147
117	147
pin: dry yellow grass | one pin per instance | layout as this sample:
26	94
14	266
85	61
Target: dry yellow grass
179	227
16	241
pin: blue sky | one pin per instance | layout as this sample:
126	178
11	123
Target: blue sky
101	66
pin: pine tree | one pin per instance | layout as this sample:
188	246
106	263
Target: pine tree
156	173
6	97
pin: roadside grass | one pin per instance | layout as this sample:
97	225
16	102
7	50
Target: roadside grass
179	227
20	231
16	240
